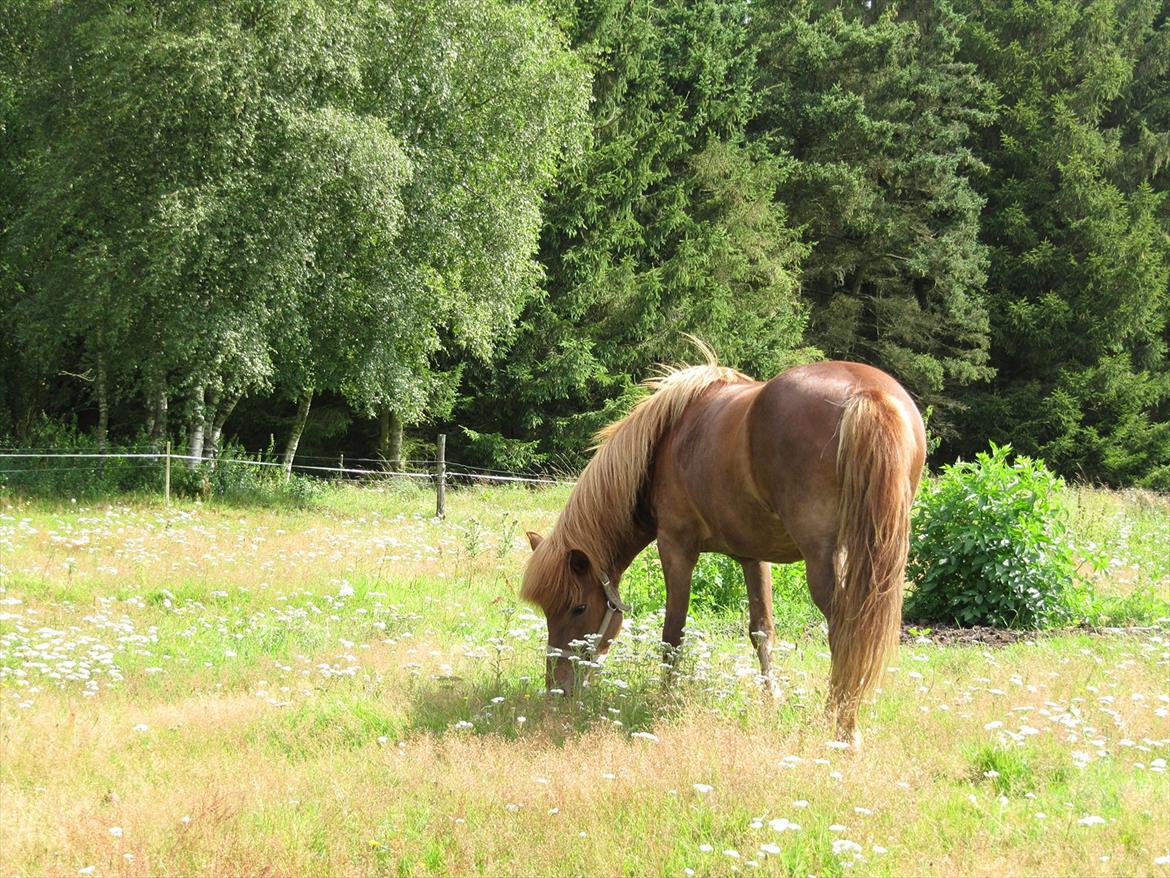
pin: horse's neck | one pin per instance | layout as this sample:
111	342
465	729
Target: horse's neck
624	554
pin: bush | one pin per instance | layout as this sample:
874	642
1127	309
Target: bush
717	589
990	546
234	479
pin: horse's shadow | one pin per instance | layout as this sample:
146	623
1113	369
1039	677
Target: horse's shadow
519	707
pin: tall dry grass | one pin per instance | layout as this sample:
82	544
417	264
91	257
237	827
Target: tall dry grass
291	701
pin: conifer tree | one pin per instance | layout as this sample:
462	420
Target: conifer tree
872	112
1078	231
667	224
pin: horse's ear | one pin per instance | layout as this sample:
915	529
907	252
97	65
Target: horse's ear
534	539
578	562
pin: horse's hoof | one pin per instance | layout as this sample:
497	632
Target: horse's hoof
851	739
771	687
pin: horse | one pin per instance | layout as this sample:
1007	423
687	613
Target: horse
820	463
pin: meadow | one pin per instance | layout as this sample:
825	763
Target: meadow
352	688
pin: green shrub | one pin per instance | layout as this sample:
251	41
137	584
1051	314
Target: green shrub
233	478
716	585
990	546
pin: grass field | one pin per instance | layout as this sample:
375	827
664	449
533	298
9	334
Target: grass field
353	689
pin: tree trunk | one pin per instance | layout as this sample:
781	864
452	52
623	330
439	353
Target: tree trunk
195	432
216	432
210	409
294	438
103	401
158	418
390	439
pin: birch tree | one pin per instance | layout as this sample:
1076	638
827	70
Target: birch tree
215	198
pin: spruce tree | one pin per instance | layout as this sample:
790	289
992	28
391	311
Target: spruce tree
667	224
1077	226
873	111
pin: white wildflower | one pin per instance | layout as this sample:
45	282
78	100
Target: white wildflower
843	846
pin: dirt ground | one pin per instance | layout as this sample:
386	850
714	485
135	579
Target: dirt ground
988	636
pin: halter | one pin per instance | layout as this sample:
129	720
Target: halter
613	604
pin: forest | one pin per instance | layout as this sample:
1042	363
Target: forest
341	228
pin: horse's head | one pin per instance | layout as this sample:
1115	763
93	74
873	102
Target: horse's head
580	602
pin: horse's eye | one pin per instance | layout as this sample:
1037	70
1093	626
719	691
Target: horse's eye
578	610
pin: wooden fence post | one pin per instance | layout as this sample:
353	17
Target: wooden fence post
167	476
441	477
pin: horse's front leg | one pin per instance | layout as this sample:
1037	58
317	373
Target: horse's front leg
761	628
678	563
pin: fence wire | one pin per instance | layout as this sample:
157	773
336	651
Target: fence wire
453	469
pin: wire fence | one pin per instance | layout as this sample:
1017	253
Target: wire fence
440	472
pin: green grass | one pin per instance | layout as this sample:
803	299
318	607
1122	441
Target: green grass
352	688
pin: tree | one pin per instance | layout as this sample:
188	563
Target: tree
223	197
667	224
488	101
1076	223
873	111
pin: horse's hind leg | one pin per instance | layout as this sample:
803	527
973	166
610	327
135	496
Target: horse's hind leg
842	705
761	629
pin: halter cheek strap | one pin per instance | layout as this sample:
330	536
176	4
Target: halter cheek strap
613	604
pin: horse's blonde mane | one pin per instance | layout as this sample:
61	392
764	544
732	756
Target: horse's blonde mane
600	512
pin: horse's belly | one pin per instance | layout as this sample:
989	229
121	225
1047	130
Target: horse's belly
752	532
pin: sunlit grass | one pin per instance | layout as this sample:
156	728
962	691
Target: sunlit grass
1129	531
354	689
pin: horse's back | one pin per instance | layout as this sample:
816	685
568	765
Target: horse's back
751	469
802	406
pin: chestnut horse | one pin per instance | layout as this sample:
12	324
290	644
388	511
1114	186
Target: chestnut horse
821	463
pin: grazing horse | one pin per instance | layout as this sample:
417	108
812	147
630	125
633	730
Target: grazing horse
820	463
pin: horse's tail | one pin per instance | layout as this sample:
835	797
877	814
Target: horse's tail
874	460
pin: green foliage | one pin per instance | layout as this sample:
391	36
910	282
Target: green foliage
515	455
717	586
792	605
718	590
1009	770
207	199
666	224
1143	606
498	217
1078	228
990	546
76	477
230	480
872	112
